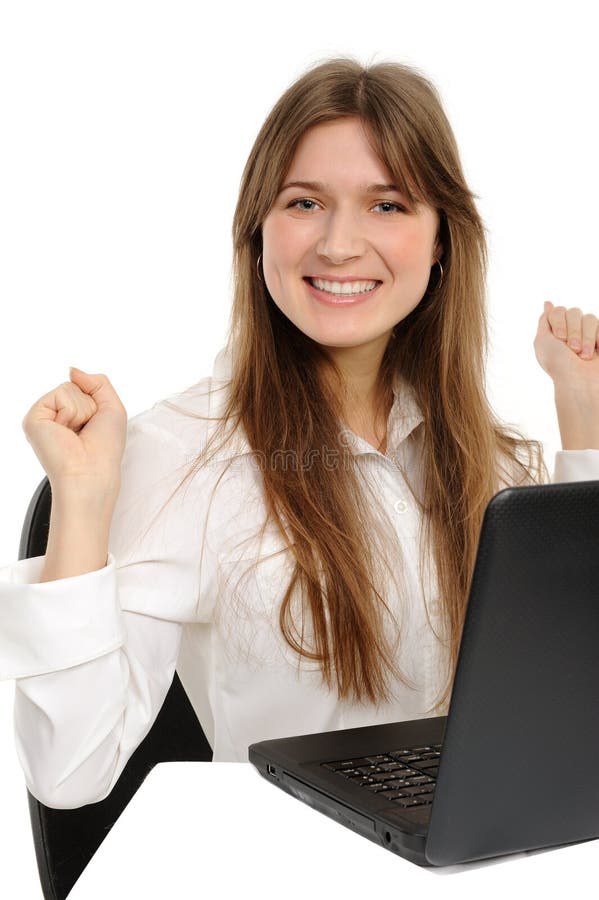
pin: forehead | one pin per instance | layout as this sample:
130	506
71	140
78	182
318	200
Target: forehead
344	143
341	155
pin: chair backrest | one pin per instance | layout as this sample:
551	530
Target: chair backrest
66	839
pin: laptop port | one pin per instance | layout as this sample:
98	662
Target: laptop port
270	769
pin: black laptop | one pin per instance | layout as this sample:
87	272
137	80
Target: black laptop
513	765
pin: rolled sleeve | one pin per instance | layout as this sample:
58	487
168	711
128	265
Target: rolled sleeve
576	465
56	624
93	655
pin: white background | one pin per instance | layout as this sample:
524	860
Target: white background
125	127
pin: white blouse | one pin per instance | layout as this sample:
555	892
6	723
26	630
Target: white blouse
94	655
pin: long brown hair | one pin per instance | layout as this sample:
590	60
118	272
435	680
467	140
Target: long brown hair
278	396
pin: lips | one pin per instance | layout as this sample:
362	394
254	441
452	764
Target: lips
341	300
340	280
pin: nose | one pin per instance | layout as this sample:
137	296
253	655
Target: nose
340	239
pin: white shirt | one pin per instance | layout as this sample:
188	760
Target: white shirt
94	655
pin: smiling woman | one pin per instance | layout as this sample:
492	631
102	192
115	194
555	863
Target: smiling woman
354	374
371	292
354	242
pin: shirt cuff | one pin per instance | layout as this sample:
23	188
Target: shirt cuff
56	624
576	465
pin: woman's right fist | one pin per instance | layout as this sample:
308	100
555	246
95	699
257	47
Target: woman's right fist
78	432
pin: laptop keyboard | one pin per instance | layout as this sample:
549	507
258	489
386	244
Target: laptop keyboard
405	777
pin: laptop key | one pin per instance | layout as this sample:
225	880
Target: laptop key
345	764
366	761
352	763
417	789
380	777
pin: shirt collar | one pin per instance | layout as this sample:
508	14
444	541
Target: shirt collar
405	415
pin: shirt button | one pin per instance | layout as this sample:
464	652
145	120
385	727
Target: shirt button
400	506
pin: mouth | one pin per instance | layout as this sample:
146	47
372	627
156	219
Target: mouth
369	281
343	299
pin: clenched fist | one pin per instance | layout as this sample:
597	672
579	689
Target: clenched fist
78	432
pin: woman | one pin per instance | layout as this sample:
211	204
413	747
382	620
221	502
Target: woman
314	573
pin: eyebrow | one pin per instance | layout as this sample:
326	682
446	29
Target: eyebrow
323	188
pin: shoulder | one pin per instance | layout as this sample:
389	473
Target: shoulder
188	417
162	444
178	418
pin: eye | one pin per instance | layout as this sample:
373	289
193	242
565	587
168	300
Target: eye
389	203
302	200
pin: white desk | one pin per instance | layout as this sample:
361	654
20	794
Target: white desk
203	830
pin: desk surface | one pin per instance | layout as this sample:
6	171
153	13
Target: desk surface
193	827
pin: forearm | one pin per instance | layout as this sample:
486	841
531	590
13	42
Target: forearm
578	416
78	536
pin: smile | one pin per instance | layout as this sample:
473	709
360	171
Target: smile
351	295
344	287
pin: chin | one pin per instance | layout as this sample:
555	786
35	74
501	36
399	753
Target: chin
347	343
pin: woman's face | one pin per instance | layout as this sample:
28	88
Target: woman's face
339	231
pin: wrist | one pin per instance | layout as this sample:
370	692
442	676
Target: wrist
89	494
577	406
79	532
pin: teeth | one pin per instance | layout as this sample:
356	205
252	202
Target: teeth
343	287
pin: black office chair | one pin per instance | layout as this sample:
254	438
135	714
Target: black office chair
66	839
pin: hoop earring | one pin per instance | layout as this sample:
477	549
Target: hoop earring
257	268
438	285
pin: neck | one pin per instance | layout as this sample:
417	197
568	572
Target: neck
359	368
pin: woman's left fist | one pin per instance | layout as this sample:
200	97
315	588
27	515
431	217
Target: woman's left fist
567	344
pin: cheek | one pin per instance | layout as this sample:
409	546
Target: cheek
285	241
412	248
278	256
